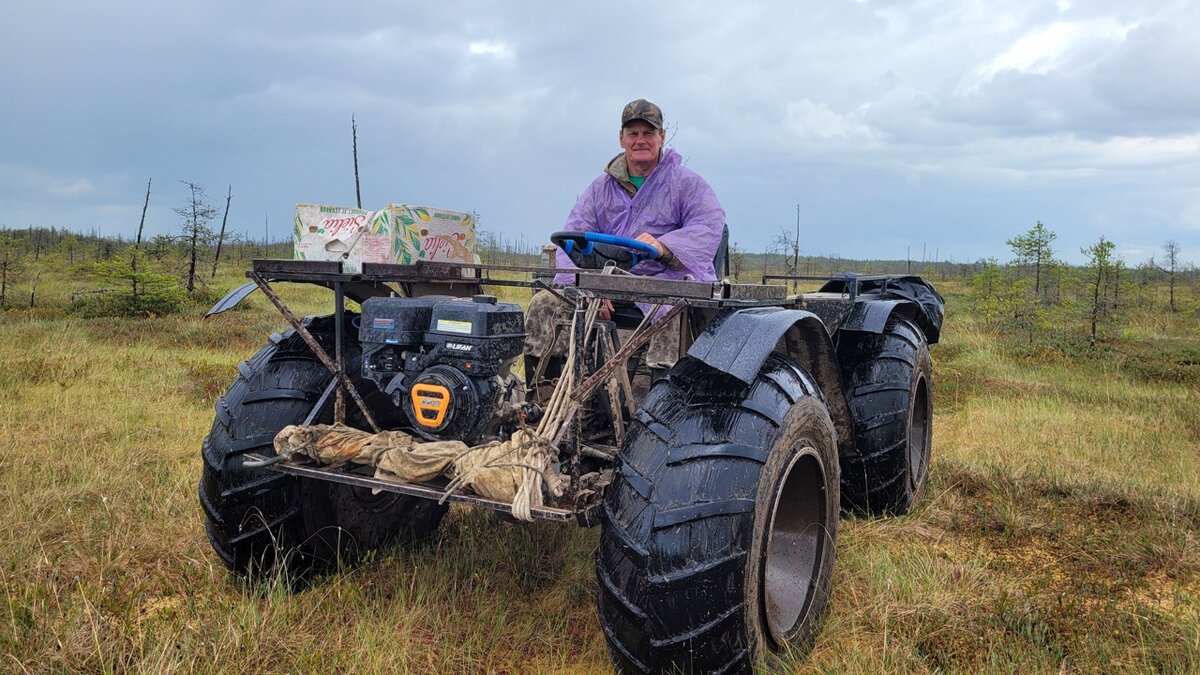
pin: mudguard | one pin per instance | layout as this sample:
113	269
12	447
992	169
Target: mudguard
356	291
738	341
232	298
871	316
913	297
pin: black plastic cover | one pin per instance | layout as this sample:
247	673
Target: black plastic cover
396	321
477	318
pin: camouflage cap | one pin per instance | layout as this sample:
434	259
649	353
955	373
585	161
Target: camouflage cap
644	110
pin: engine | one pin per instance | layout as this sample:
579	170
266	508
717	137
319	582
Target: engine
445	361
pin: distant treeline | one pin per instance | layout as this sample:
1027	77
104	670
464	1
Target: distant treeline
112	275
72	246
1029	292
498	248
781	257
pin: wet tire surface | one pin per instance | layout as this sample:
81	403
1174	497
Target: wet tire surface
684	548
259	521
888	382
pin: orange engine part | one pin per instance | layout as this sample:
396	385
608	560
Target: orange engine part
430	401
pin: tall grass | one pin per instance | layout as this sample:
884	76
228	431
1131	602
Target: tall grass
1059	531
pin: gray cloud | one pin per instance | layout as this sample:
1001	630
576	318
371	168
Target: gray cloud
892	123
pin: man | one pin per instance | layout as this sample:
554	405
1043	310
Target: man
646	194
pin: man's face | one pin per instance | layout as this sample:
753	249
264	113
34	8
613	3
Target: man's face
642	143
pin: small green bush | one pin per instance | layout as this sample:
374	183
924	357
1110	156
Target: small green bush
156	299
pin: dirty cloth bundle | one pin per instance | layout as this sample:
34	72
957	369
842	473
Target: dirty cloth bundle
511	471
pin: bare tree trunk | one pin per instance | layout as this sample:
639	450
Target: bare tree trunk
145	205
221	237
1172	250
354	134
1096	301
137	245
5	267
37	275
796	252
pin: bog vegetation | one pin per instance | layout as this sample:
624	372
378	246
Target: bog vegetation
1059	531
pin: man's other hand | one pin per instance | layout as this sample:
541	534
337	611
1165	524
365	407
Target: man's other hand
604	313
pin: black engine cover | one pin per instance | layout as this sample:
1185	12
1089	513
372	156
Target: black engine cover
439	358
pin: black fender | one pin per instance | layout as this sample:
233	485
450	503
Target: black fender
739	341
232	298
877	298
870	316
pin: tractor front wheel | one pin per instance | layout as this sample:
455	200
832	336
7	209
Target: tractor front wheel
261	522
718	542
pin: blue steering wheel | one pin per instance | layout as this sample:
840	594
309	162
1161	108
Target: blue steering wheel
594	250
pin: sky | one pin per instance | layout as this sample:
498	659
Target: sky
896	127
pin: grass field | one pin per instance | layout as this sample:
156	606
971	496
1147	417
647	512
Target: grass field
1060	530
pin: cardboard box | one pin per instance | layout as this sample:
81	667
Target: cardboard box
399	233
344	233
427	233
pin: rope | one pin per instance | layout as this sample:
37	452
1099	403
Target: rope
529	455
532	450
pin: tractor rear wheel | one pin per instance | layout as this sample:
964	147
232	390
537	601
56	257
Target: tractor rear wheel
887	379
719	527
261	522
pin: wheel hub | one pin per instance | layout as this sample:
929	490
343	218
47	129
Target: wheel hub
796	545
918	433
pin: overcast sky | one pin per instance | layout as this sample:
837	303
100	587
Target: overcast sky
894	125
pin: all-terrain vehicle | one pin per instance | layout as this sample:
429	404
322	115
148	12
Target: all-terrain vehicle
717	492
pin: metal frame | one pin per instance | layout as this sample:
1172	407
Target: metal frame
855	285
340	475
375	280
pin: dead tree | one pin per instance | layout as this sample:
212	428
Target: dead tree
33	284
354	135
221	237
196	214
137	244
10	265
789	249
1171	248
737	259
142	222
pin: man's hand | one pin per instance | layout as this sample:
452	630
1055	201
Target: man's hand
664	254
649	239
604	313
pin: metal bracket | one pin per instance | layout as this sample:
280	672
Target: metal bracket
333	366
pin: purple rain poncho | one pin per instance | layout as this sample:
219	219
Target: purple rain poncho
675	205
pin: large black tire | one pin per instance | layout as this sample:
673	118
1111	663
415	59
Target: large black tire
888	380
261	522
719	527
